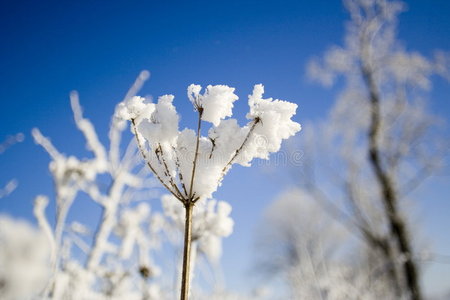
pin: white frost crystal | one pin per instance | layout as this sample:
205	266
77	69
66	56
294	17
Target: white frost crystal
161	126
216	102
135	108
275	117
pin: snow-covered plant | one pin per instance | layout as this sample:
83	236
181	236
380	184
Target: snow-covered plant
191	166
118	263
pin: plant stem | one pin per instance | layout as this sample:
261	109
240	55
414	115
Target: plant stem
185	281
200	111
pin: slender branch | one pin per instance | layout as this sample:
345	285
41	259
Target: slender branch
213	142
46	144
161	157
141	149
180	175
415	182
109	208
200	111
359	215
236	153
365	234
334	211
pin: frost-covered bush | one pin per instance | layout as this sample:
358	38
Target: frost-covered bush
117	254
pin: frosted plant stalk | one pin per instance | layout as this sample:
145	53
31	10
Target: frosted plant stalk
191	166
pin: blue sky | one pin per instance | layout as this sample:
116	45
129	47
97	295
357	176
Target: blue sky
49	48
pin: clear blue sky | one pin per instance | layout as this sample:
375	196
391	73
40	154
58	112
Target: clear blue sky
49	48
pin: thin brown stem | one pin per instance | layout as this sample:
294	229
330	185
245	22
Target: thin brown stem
200	111
238	150
213	142
185	276
180	175
166	167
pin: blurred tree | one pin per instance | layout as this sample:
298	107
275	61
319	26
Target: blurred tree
378	144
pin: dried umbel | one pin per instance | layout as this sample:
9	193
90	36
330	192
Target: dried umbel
191	166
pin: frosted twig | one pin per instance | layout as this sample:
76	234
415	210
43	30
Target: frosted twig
11	140
45	143
238	150
194	163
87	129
148	162
180	175
160	154
10	186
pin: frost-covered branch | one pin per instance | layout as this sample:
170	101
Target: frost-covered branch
9	187
12	184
